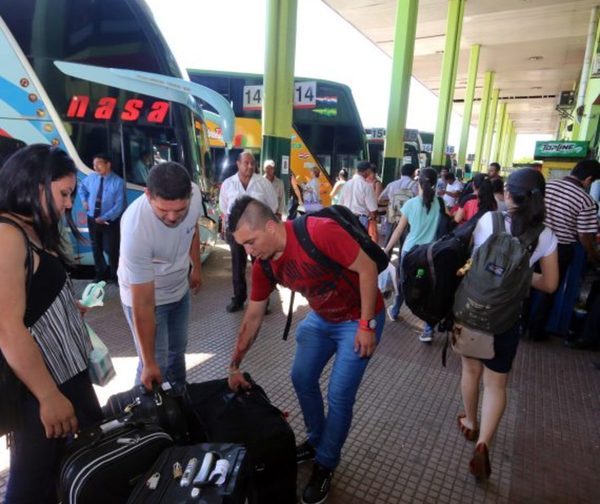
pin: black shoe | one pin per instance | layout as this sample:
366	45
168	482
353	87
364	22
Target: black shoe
305	452
234	306
317	489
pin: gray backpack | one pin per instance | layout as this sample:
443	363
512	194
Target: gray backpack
490	295
397	201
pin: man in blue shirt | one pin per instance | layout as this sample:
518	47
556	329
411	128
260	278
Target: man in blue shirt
103	198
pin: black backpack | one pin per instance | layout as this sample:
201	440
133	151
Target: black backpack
347	220
430	280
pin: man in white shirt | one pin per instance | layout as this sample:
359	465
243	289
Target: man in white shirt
359	195
452	191
244	182
269	168
160	239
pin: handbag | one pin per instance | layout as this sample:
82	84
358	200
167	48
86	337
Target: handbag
471	342
12	390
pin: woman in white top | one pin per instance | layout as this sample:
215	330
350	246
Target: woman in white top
336	192
524	196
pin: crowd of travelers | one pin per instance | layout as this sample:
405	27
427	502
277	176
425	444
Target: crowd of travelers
322	254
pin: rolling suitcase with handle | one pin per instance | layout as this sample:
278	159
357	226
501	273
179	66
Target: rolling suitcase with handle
105	461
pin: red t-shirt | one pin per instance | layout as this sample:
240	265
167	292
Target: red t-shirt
336	298
470	209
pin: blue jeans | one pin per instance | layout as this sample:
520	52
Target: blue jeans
170	340
317	341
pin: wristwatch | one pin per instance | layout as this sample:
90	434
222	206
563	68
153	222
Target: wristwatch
369	325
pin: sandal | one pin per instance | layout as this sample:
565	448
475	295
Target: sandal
470	434
480	463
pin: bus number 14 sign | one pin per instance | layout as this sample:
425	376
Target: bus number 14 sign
305	96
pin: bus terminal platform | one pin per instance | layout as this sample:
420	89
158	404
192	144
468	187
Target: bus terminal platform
404	445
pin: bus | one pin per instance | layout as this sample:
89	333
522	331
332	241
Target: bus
97	76
326	128
415	151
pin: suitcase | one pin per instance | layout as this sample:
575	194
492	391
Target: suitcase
162	406
161	484
105	461
249	418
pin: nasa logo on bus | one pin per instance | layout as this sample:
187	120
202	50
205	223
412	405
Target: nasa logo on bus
133	109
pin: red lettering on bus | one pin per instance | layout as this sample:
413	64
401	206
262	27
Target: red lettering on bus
78	106
131	110
106	108
158	112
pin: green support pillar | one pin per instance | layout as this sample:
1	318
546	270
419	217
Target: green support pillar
404	49
489	134
469	95
506	141
513	143
503	138
278	84
499	133
456	9
488	83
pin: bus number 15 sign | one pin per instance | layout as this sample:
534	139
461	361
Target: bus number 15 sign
305	96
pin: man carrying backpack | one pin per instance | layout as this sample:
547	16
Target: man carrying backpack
396	194
346	320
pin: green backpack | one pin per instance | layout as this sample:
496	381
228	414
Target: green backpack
490	296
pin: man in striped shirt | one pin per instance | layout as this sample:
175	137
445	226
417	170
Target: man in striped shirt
571	213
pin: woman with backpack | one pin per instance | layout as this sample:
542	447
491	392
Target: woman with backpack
483	202
422	214
524	196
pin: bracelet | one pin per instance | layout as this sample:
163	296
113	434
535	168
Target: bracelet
234	371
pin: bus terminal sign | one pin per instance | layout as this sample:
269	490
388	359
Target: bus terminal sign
558	149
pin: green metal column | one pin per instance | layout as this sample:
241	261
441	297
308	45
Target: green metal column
404	48
504	137
468	109
488	84
278	84
506	141
499	133
456	9
489	134
513	143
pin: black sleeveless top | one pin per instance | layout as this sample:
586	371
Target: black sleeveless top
52	317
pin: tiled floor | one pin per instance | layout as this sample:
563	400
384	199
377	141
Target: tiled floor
404	446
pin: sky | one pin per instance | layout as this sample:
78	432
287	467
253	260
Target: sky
230	35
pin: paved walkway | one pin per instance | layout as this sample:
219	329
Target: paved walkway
404	446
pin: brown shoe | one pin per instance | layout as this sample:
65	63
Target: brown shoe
470	434
480	463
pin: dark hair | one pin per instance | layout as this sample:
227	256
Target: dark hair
496	166
497	185
250	210
526	187
343	174
587	168
427	180
485	193
408	169
22	176
169	181
363	166
450	177
105	156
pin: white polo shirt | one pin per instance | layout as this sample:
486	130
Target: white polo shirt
258	188
359	196
152	251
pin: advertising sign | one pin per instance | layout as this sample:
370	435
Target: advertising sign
558	149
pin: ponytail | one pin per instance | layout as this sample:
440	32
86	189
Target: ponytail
427	181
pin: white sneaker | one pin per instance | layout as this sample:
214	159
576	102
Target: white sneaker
389	314
426	336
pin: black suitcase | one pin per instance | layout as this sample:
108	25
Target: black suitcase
162	406
161	484
105	461
249	418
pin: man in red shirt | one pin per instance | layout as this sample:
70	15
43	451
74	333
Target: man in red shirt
346	321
